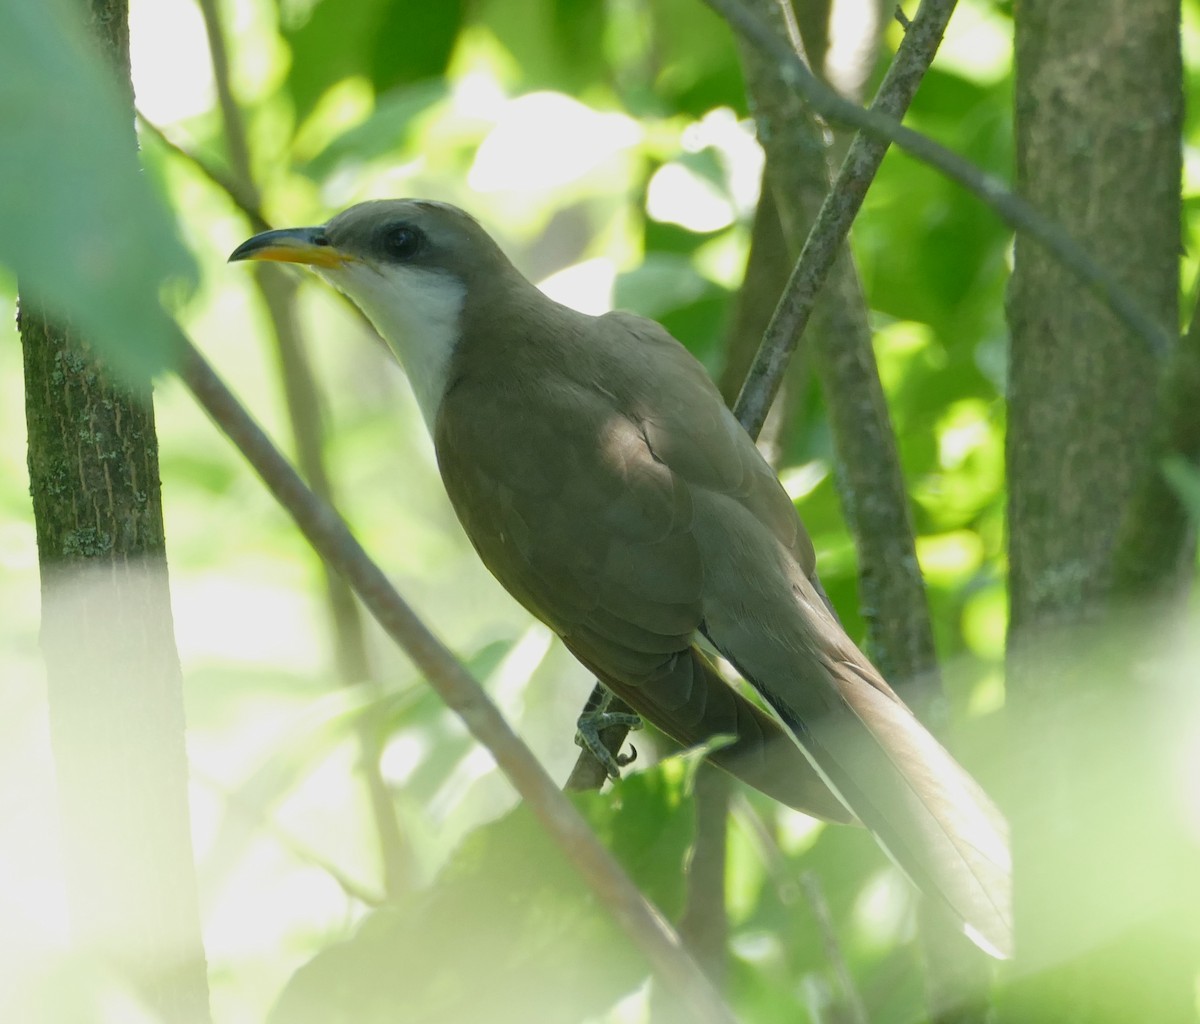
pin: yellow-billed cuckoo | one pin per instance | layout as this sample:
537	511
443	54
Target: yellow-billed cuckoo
606	485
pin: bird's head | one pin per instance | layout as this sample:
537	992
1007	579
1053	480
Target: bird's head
410	265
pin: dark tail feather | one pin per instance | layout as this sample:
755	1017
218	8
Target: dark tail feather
690	702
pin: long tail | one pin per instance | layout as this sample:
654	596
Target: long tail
930	816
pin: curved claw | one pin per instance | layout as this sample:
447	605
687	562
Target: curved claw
587	735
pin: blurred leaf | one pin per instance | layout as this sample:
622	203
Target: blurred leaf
391	42
382	134
414	41
649	821
1184	479
698	68
555	43
78	223
661	283
508	932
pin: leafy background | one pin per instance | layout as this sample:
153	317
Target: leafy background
607	146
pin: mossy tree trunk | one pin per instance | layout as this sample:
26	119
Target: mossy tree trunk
1099	97
114	686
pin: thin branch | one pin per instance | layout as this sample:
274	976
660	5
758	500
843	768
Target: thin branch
238	804
331	538
238	195
303	404
870	481
789	887
882	125
231	114
815	895
704	926
842	202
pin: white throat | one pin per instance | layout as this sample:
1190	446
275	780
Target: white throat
416	311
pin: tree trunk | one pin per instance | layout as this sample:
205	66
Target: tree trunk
114	686
1099	115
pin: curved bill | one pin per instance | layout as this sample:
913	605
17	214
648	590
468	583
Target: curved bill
291	245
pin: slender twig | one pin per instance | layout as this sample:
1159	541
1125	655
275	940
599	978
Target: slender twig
842	202
332	539
815	895
704	926
239	805
1010	207
789	889
238	195
236	142
870	480
304	414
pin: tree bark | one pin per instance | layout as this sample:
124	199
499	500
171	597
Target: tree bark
1099	114
114	686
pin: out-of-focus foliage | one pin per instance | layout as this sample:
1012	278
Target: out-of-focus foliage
605	143
77	222
506	932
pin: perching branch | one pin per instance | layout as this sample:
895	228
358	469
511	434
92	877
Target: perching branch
331	538
1010	207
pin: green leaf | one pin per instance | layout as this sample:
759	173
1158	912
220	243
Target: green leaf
508	932
389	42
649	823
558	44
698	68
414	41
384	133
79	225
1184	478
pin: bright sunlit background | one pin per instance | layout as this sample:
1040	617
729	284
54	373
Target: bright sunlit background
617	164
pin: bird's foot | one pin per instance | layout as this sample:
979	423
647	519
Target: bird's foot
587	735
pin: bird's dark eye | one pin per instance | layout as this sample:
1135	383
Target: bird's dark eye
402	241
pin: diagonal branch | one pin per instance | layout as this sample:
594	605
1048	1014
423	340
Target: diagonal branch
842	202
1010	207
870	481
331	538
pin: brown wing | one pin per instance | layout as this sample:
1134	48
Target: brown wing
690	430
562	490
